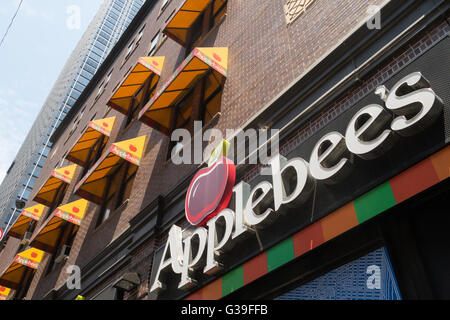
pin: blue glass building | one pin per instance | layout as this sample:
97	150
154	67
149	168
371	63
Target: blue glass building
101	35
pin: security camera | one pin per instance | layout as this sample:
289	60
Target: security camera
20	204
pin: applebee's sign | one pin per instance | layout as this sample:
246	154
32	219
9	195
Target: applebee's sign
210	191
410	106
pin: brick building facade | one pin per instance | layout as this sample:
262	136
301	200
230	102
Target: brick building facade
298	77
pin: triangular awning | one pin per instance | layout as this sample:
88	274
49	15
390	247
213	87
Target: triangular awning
145	68
4	292
47	237
157	112
92	186
48	192
19	227
97	129
13	275
190	10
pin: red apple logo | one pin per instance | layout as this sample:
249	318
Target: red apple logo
75	209
133	148
36	211
210	191
155	63
2	289
34	255
67	172
105	124
217	57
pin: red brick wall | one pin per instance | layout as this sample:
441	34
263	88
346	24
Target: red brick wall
265	56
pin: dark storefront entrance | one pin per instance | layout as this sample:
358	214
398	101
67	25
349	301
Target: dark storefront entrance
406	249
369	277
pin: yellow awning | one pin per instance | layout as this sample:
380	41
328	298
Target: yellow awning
145	68
92	186
47	193
4	292
157	112
47	237
28	259
190	10
19	227
80	152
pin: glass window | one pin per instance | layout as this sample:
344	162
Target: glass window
100	90
113	15
130	49
208	106
40	161
350	281
89	69
95	56
36	172
108	78
97	51
70	102
100	46
31	182
75	94
86	74
92	63
105	35
111	22
115	11
118	191
102	41
107	28
83	81
45	151
139	36
115	6
26	194
164	5
79	86
153	44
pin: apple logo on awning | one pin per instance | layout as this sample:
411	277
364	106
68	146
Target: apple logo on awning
75	209
36	211
210	191
133	148
34	255
67	172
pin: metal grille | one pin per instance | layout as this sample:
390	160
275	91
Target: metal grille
295	8
353	281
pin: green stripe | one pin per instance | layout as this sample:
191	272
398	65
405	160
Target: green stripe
233	280
374	202
280	254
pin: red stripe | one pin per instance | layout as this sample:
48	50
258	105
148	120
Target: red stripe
308	239
255	268
414	180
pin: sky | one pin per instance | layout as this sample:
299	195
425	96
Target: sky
40	41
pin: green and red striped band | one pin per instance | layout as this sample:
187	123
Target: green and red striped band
407	184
